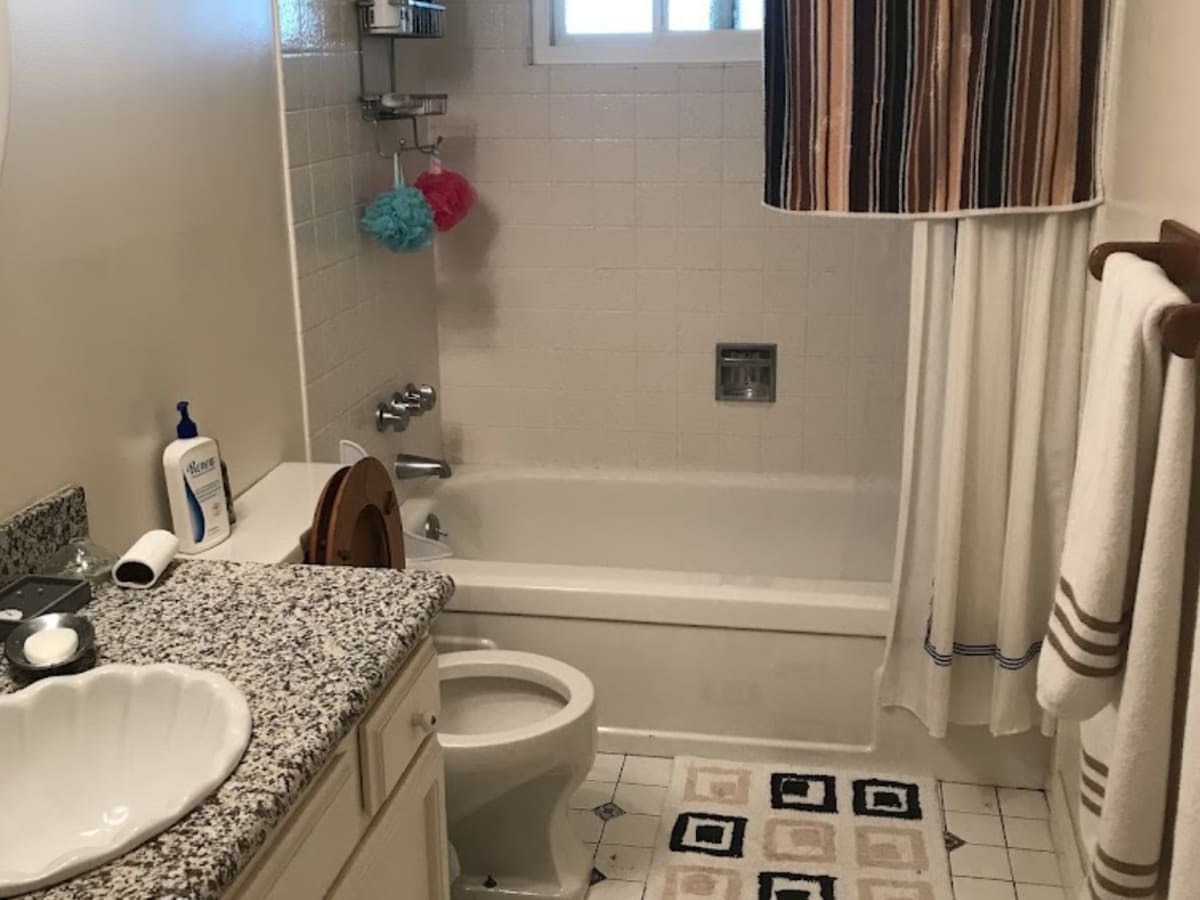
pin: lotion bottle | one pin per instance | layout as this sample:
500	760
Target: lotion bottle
192	466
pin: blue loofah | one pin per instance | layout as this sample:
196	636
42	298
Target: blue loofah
400	219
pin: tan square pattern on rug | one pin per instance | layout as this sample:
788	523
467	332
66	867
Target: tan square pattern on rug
785	831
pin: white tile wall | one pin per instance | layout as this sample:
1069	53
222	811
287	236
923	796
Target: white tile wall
618	236
368	319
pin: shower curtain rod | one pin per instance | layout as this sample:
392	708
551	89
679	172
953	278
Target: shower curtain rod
1178	253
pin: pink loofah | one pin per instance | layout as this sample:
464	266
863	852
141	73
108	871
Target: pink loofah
449	194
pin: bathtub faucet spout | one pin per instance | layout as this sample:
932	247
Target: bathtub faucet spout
410	466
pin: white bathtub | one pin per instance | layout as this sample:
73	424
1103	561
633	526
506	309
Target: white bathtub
742	615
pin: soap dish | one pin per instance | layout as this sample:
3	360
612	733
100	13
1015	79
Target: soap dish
81	660
35	595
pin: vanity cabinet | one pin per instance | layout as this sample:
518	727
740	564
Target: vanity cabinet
372	824
404	855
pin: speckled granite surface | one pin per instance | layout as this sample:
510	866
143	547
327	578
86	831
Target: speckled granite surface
30	537
311	647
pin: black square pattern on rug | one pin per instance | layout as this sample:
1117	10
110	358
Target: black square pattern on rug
807	793
597	876
608	811
710	834
953	841
794	886
886	799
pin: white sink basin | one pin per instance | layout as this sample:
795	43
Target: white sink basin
93	765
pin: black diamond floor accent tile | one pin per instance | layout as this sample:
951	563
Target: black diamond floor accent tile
953	841
597	876
608	811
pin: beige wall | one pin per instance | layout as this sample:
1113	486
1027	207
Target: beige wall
143	251
619	236
1152	171
367	316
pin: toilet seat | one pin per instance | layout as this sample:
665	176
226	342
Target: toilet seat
567	682
357	520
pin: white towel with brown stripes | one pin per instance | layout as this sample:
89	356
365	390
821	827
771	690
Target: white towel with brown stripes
1185	862
1124	790
1084	654
1112	648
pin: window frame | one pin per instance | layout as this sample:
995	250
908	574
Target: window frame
551	46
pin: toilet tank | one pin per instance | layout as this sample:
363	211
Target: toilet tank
273	514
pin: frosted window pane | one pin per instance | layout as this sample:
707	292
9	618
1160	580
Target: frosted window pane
750	15
690	15
609	16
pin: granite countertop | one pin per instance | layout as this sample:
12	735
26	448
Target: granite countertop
310	647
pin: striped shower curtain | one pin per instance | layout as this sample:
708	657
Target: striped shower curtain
926	107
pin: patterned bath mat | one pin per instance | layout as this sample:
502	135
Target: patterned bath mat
746	831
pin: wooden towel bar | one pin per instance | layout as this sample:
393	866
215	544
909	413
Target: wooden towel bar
1178	253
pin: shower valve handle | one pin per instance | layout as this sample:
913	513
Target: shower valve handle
417	399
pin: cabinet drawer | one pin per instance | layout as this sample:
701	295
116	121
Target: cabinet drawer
392	732
304	855
404	855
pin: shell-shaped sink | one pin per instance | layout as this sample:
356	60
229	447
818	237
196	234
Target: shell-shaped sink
93	765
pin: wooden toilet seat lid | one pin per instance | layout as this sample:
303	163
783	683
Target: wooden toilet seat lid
357	520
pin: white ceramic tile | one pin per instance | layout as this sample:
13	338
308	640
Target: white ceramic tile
614	116
743	77
700	160
1027	834
657	115
975	828
1040	892
623	863
982	889
1023	804
971	798
701	78
604	188
1035	867
640	798
631	830
699	116
742	159
657	159
592	793
977	861
587	825
606	767
649	79
616	890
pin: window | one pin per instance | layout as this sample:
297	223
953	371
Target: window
631	31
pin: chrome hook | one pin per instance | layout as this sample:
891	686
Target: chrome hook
403	146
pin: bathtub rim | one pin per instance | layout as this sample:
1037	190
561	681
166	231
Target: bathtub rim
652	596
473	473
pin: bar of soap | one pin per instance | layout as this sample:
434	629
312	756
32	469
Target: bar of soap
54	645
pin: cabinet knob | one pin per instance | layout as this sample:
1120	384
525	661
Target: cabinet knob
426	721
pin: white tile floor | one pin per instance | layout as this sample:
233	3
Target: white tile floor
1003	849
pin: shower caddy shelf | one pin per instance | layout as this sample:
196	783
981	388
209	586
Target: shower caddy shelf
394	20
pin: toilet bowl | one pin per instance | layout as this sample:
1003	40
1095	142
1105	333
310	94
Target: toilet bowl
519	736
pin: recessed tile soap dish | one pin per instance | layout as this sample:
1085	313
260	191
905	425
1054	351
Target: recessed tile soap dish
746	372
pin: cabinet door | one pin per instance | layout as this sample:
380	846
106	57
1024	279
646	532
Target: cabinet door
404	855
392	732
305	854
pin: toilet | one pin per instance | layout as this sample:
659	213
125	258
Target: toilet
519	735
518	730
